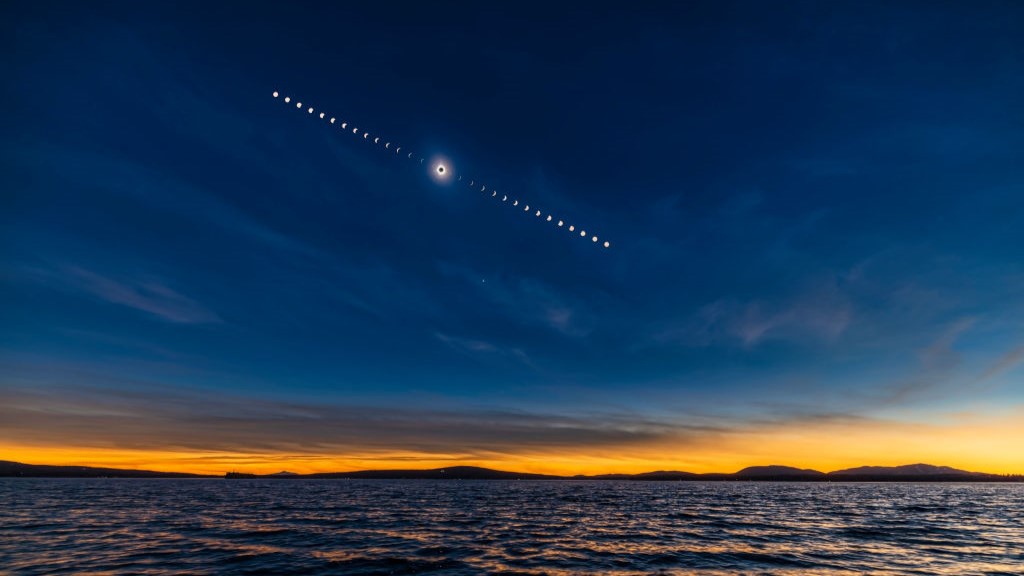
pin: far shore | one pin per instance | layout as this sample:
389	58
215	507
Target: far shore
907	473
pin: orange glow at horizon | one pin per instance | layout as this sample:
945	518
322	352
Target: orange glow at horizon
975	443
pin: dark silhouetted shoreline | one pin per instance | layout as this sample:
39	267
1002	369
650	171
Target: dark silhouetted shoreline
908	473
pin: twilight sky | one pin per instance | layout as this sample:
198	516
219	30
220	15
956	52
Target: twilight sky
816	209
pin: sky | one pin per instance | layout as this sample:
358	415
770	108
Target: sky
815	214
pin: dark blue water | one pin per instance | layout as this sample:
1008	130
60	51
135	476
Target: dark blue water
477	527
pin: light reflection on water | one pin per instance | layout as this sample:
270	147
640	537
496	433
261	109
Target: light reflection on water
472	527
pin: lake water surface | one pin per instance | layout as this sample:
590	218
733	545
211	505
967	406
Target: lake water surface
515	527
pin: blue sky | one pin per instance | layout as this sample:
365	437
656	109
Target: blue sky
815	212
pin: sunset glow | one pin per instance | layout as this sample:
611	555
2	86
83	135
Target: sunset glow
825	447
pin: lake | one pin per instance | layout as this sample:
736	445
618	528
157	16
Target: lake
214	526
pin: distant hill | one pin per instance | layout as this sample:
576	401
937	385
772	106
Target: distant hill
450	473
663	475
779	473
8	469
907	470
908	473
915	472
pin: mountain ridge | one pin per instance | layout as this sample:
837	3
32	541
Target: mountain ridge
775	471
905	473
9	469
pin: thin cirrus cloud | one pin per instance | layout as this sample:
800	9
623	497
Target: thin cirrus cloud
549	308
818	316
146	295
936	374
557	312
1004	364
173	421
480	347
214	433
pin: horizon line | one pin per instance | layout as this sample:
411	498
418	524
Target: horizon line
791	470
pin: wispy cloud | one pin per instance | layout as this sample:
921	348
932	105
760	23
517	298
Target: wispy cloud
941	353
146	420
229	431
144	294
820	313
1004	364
466	344
936	368
478	347
530	301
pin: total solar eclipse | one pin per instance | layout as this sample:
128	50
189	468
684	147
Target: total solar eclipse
441	170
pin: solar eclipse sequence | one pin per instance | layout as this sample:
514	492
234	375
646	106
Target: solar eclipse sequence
442	171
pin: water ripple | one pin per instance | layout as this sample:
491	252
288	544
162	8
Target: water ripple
54	526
